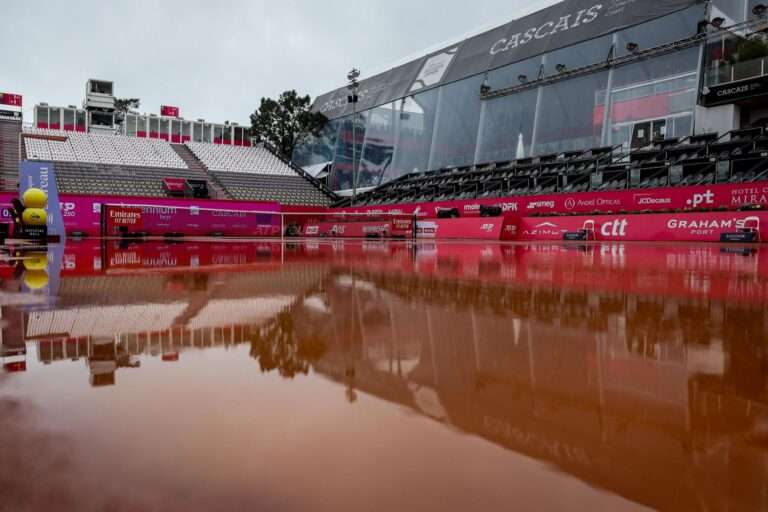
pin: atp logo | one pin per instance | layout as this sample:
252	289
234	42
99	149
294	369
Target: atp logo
706	198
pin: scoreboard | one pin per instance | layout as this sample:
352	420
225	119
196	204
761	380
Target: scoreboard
169	111
11	100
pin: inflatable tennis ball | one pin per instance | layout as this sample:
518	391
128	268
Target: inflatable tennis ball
34	198
36	261
34	217
36	279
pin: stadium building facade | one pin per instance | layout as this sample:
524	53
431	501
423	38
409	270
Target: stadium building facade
578	75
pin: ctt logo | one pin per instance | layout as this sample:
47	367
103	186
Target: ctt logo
707	197
616	228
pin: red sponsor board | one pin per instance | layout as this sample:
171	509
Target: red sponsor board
12	100
82	214
636	200
461	229
683	227
391	228
15	367
169	111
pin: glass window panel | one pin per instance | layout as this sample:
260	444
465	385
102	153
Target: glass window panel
416	126
130	125
69	119
41	114
506	119
651	90
570	116
55	117
350	145
207	133
457	124
163	128
663	30
80	120
579	55
732	9
318	149
511	75
154	127
682	126
197	132
379	146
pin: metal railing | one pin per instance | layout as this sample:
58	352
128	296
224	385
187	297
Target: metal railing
727	73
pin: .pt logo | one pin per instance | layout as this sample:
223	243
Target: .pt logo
707	197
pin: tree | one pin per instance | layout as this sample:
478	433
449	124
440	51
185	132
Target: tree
277	347
127	105
286	122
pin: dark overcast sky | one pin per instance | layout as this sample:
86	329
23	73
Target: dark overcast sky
215	59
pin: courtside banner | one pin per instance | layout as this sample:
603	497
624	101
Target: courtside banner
387	228
460	229
683	227
637	200
82	214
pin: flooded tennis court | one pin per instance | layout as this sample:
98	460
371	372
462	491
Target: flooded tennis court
382	376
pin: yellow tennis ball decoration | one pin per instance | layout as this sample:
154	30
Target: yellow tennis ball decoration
36	279
34	217
35	198
36	261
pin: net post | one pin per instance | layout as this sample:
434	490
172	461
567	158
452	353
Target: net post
282	227
103	220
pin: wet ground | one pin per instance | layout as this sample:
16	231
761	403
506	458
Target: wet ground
383	376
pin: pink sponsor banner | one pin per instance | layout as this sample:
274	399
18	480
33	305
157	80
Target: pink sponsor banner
461	229
683	227
82	214
399	228
5	205
636	200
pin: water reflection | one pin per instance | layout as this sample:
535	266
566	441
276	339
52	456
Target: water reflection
639	370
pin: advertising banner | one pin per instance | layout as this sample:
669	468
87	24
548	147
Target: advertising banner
387	228
12	100
461	229
42	175
169	111
635	200
684	227
82	214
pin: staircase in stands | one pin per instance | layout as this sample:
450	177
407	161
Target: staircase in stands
217	190
10	131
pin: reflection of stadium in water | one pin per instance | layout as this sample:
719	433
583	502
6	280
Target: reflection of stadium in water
659	395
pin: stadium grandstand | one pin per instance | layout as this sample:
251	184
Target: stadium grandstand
96	153
574	98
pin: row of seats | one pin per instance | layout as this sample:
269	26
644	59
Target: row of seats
254	160
739	156
293	190
60	146
89	178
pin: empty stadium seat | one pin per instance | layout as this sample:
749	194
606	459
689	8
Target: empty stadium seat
254	160
60	146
